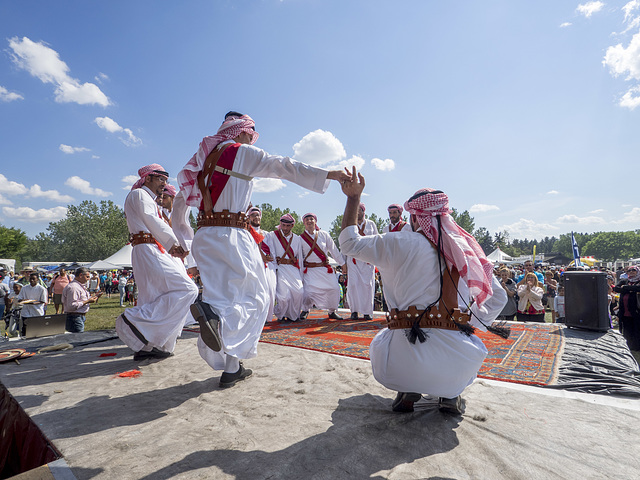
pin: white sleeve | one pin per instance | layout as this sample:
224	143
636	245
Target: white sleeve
182	228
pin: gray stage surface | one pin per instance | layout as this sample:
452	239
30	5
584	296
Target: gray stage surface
305	415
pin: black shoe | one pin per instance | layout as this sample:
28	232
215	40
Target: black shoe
154	353
285	320
404	402
228	380
209	323
334	316
367	317
303	315
452	406
354	315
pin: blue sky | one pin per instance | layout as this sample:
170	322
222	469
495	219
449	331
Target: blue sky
524	113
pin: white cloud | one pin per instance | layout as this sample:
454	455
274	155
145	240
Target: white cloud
267	185
632	216
624	60
44	63
8	187
629	7
85	187
553	192
598	210
574	219
5	201
71	150
112	126
385	165
319	148
7	96
355	161
525	228
101	77
129	180
565	24
27	214
95	156
482	208
630	101
36	192
589	8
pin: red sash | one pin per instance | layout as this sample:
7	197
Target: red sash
399	226
219	180
259	239
287	248
316	249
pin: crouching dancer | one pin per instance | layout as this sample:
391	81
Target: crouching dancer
235	297
428	346
165	291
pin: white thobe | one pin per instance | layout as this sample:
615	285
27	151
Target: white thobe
37	293
165	291
271	275
448	361
231	268
321	287
387	228
361	283
289	287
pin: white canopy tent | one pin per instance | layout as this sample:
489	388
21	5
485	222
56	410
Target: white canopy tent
498	256
122	258
8	263
102	265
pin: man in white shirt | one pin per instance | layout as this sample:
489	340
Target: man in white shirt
235	296
396	224
287	258
165	291
429	346
321	288
36	295
361	279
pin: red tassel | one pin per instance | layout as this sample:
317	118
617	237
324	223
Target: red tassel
258	237
161	247
305	270
354	261
108	354
130	373
329	269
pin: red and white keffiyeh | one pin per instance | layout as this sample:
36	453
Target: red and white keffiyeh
459	248
170	190
287	218
396	206
147	170
312	215
230	129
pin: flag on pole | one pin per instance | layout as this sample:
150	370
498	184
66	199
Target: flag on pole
576	252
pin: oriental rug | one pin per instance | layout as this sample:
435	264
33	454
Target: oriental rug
531	355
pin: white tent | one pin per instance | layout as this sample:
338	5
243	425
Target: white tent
498	256
102	265
122	258
9	264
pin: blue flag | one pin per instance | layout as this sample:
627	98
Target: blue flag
576	252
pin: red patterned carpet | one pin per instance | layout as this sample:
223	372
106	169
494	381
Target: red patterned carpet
531	355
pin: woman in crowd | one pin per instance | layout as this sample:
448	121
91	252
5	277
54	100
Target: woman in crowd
628	314
122	286
530	308
108	284
510	308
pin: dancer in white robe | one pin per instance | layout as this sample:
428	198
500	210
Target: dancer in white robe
287	258
165	291
396	223
235	295
361	279
445	360
321	288
266	249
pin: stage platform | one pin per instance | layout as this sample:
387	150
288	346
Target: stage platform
303	414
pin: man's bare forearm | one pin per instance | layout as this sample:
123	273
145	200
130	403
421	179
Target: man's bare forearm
350	216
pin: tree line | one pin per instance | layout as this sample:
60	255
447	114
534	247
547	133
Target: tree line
93	231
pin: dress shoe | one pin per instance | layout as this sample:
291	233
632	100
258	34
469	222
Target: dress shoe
404	402
228	380
354	315
209	323
303	315
367	317
452	406
154	353
334	316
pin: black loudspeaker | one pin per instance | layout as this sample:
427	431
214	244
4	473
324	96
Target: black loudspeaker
586	304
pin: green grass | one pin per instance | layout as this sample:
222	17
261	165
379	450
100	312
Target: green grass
102	315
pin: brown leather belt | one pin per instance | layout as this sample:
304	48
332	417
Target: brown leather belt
315	264
225	218
286	261
433	318
140	238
